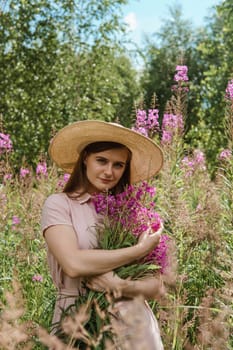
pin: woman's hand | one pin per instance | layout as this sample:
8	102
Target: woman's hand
150	288
107	282
148	240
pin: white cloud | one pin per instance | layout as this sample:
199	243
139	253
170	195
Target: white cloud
131	21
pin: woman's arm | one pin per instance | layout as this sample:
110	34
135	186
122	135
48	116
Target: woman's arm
150	287
62	242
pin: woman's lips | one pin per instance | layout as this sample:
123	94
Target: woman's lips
106	181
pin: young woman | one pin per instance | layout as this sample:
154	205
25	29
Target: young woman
101	157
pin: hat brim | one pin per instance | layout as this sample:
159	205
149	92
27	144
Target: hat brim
65	147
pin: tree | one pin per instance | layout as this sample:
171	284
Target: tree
208	54
173	45
59	63
215	55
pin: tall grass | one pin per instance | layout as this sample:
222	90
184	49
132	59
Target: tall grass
196	312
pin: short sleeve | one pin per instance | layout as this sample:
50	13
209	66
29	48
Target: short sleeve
55	211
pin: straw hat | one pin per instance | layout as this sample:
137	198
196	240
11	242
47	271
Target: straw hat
65	147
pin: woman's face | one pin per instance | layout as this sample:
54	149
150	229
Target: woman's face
105	169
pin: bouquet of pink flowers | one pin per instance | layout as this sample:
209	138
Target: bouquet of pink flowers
125	216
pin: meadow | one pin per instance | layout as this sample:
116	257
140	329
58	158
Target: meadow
196	205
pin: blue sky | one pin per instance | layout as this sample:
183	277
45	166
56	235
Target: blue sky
146	16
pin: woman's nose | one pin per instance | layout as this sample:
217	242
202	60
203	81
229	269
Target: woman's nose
108	170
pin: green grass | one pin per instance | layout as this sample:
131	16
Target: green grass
198	216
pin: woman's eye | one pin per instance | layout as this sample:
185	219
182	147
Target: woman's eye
101	160
119	165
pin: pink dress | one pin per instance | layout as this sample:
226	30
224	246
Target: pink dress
80	213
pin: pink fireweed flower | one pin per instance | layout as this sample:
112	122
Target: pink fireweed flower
131	211
166	137
7	178
199	159
24	172
229	90
159	253
62	181
146	123
225	154
5	143
181	73
140	130
41	169
37	278
152	119
172	121
15	220
172	125
193	163
144	219
130	198
188	166
141	120
66	177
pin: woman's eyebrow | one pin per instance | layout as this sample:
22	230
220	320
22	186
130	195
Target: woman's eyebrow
117	161
120	162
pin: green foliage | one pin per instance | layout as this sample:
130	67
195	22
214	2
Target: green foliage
197	214
208	54
214	55
171	46
57	66
51	75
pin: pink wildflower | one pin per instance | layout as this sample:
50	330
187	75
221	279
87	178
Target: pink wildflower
132	212
62	181
5	143
141	120
229	90
199	159
37	278
193	163
152	119
7	177
41	169
24	172
140	130
172	125
181	73
15	220
146	124
225	154
159	254
188	165
166	137
66	177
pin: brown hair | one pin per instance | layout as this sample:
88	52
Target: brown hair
78	178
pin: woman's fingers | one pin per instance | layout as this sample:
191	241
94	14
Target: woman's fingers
105	282
94	286
150	233
160	230
148	240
